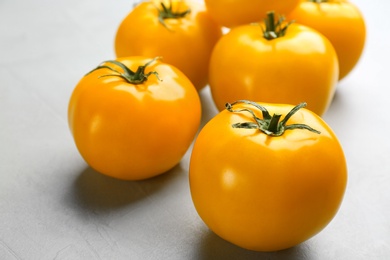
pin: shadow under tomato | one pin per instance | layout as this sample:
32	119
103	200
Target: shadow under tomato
97	192
214	247
209	110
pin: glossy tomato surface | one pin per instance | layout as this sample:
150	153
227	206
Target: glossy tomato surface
300	66
262	192
341	22
185	42
134	131
239	12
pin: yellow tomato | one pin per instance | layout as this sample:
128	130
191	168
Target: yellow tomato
182	32
265	184
238	12
134	118
341	22
300	64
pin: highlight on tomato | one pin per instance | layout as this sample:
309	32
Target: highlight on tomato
134	118
276	62
273	176
239	12
182	32
341	22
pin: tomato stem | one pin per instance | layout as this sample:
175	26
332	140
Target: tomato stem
167	12
269	125
274	28
274	123
137	77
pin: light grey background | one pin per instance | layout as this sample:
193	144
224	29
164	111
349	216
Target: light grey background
53	206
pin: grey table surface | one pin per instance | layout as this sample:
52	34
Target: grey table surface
53	206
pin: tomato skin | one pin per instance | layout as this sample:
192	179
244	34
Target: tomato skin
341	22
185	43
300	66
267	193
239	12
134	132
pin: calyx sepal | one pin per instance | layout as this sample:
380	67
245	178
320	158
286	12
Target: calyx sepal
133	77
270	125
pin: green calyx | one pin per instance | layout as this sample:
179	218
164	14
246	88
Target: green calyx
274	28
133	77
270	125
167	12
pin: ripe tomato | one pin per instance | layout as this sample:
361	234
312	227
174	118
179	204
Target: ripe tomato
341	22
130	124
182	32
281	65
263	184
238	12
